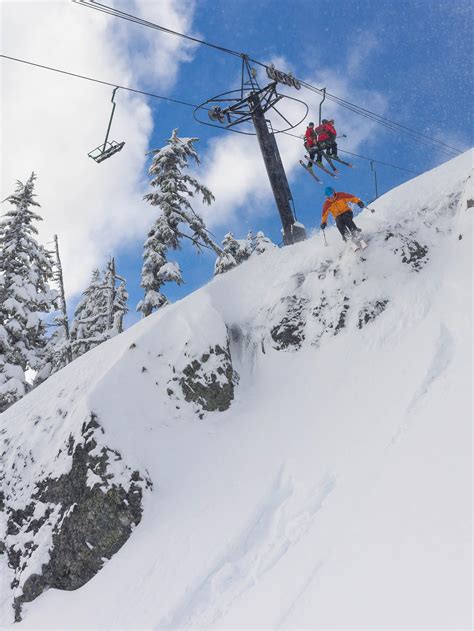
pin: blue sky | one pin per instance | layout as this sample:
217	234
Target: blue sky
416	54
409	60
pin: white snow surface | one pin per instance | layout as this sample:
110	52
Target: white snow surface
336	491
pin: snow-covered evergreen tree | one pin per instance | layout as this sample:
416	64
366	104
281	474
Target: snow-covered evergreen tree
25	272
99	315
120	308
156	270
177	219
236	251
88	323
262	244
58	351
115	299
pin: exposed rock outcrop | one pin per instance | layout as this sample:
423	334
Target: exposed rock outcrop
73	523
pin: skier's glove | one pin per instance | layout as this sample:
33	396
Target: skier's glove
361	204
323	225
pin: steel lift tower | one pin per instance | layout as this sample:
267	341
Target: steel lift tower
250	104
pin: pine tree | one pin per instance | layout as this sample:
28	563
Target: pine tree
25	272
58	351
120	308
235	251
115	300
156	270
88	323
99	315
262	244
174	190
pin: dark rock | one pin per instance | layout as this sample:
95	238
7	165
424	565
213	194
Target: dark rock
289	334
18	517
88	523
371	311
411	251
341	323
211	389
325	313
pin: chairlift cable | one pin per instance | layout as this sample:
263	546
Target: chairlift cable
164	98
87	78
381	120
92	4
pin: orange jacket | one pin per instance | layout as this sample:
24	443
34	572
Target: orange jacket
337	204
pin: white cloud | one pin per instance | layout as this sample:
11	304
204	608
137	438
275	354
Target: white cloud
50	121
156	56
233	166
363	45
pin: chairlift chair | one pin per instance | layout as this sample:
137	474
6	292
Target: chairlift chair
108	148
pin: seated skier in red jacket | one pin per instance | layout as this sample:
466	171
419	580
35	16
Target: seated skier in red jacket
331	141
311	144
327	137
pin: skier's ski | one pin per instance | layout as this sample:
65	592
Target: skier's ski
330	162
358	244
323	168
311	172
337	159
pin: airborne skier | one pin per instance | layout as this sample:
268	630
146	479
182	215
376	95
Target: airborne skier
338	205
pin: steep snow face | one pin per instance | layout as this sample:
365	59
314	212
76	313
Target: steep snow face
292	444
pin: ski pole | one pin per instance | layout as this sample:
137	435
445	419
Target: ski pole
372	210
324	235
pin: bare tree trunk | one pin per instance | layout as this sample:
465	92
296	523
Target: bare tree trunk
111	294
62	297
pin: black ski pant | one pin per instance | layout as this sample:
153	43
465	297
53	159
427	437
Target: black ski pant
314	152
330	147
345	223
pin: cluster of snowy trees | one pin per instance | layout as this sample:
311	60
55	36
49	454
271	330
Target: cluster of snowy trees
29	344
177	220
97	317
27	272
236	251
26	269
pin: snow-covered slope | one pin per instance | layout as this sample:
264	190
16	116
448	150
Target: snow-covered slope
289	446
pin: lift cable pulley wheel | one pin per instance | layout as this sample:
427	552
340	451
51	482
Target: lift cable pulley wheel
231	109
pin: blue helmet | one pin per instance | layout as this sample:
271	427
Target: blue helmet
328	191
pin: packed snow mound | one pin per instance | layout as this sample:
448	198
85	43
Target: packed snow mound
289	446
